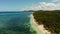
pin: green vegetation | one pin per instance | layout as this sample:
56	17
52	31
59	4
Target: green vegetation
50	19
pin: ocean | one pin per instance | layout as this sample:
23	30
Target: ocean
16	22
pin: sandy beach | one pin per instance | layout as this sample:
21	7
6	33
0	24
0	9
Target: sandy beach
40	27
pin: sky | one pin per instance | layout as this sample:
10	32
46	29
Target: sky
18	5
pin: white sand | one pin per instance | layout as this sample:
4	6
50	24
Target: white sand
40	27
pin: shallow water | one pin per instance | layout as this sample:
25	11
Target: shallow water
16	23
33	26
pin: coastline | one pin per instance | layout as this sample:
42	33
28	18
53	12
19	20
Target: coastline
39	27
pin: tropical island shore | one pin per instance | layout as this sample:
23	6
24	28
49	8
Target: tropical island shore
40	27
48	22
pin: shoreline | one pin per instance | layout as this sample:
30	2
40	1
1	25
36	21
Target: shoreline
40	27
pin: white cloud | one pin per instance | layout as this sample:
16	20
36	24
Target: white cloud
54	5
50	6
57	4
47	6
44	6
55	0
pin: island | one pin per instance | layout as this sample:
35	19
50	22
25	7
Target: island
50	20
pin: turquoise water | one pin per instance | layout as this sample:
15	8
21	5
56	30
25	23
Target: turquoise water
15	23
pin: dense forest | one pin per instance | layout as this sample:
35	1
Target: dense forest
50	19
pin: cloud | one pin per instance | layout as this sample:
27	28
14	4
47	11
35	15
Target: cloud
57	3
47	6
53	5
55	0
44	6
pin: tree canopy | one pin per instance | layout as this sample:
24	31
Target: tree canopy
50	19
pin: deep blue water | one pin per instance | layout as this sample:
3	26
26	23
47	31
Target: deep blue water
15	23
